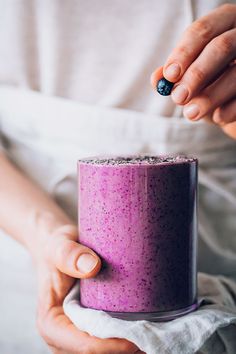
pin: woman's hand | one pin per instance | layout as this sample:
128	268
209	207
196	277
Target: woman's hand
203	66
46	231
59	260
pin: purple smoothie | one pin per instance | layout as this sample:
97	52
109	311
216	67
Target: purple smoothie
139	215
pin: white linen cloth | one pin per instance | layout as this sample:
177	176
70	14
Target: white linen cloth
38	136
185	335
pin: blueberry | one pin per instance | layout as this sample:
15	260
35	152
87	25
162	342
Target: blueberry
164	87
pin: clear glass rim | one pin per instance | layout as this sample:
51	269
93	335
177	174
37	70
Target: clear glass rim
160	316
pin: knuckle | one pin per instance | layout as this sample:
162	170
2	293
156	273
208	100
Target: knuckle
64	250
202	28
197	74
184	52
69	230
228	7
206	99
224	44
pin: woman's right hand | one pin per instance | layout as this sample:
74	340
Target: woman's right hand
59	261
203	67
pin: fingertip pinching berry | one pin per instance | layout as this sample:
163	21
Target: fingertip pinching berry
164	87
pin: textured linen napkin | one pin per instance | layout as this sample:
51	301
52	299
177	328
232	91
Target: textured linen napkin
210	329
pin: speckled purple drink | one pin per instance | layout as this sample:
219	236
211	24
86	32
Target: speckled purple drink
139	215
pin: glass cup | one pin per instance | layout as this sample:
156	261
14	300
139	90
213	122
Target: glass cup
139	214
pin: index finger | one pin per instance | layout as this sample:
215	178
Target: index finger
195	38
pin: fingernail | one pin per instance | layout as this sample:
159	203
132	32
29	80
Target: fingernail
179	94
172	71
86	263
191	111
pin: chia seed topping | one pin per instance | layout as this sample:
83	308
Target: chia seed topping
140	159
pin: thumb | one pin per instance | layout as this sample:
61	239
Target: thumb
72	258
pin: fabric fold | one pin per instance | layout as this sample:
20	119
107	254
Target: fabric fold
186	335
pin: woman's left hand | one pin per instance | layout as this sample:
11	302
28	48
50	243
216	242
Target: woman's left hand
58	263
203	68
